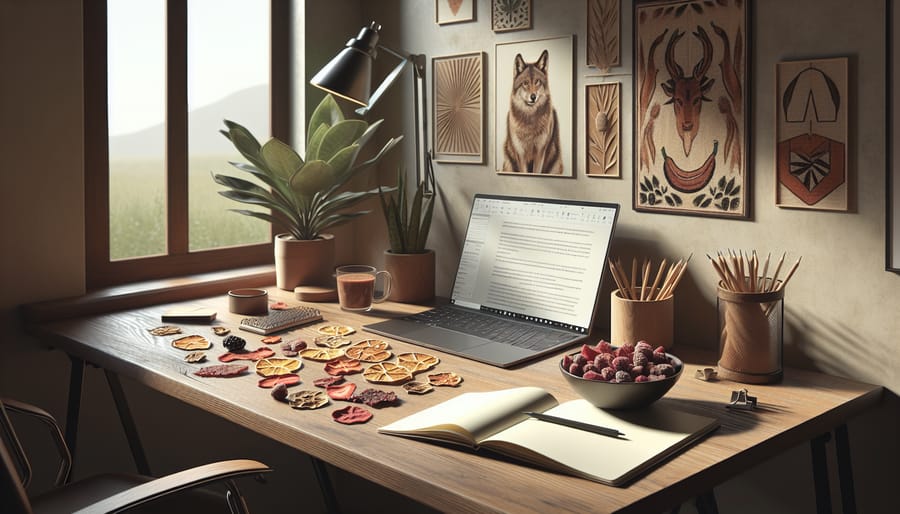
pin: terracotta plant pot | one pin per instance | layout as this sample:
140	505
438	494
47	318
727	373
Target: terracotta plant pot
412	276
304	263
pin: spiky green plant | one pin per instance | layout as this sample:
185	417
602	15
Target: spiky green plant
304	195
408	226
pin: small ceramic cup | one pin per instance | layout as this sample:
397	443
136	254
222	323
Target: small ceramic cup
248	301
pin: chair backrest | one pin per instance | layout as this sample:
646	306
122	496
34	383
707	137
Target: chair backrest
13	497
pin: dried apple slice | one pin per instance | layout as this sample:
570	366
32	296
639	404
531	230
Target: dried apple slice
262	353
165	330
321	354
417	362
308	399
332	341
195	357
370	350
416	387
190	343
387	373
220	330
277	366
351	414
222	370
341	391
335	330
327	381
445	379
288	379
343	365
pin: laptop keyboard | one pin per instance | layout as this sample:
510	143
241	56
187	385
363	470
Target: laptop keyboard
494	328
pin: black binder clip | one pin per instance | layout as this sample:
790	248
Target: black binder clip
742	400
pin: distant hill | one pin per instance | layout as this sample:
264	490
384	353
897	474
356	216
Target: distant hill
249	107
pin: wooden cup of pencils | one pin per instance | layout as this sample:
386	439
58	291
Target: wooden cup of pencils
751	314
643	307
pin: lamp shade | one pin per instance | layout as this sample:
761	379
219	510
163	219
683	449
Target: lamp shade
349	74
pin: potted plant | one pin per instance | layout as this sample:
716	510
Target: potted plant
304	195
410	264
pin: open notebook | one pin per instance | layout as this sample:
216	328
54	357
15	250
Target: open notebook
496	421
527	284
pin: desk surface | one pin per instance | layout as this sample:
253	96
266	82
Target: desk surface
805	404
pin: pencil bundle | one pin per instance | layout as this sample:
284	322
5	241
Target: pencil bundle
740	273
639	287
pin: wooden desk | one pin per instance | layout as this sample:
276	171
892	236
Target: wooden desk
802	408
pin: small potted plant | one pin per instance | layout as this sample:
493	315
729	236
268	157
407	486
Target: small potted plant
410	264
305	196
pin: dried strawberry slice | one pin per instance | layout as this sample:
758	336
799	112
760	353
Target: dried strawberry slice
262	353
287	379
271	339
341	391
327	381
376	398
222	370
351	414
343	366
278	306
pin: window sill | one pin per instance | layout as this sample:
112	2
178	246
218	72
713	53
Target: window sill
141	294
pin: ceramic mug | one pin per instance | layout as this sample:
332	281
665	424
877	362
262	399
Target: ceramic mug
356	287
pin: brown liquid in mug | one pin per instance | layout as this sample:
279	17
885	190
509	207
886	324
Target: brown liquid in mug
355	290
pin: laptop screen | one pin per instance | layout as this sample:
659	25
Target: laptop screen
535	259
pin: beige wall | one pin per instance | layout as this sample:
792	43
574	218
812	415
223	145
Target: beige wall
841	306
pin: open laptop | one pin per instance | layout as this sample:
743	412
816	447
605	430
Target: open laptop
527	283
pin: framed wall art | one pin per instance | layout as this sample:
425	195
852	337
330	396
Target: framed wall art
603	130
458	116
892	143
603	33
690	124
534	100
811	134
509	15
453	11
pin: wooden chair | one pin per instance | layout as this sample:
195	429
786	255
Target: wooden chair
172	494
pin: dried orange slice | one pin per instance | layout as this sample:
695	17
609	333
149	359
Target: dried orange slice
343	365
219	330
351	415
189	343
445	379
195	357
321	354
332	341
416	387
165	330
277	366
387	373
308	399
370	350
336	330
416	362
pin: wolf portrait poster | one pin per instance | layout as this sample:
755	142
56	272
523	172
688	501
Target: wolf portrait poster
690	119
534	106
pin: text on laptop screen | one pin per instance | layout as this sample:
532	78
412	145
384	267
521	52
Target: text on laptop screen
535	258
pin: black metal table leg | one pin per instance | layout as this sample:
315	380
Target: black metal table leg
820	473
73	409
331	503
845	469
134	440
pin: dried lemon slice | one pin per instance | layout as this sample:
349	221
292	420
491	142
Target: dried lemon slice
335	330
308	399
332	341
165	330
370	350
189	343
277	366
321	354
387	373
416	362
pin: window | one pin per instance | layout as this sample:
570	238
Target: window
160	76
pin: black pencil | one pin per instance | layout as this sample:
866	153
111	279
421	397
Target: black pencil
610	432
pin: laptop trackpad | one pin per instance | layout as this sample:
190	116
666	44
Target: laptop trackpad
425	335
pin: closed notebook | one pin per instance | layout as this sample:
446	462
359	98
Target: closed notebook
497	421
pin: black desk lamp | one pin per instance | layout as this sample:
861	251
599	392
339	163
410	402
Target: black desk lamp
349	75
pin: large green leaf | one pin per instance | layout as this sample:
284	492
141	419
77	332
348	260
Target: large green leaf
312	147
244	142
340	136
316	176
342	162
281	159
328	113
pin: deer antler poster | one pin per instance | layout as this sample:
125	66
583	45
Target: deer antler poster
691	113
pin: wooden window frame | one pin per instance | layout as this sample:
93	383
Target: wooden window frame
179	260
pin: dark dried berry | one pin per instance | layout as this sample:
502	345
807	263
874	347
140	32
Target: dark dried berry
234	343
280	392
